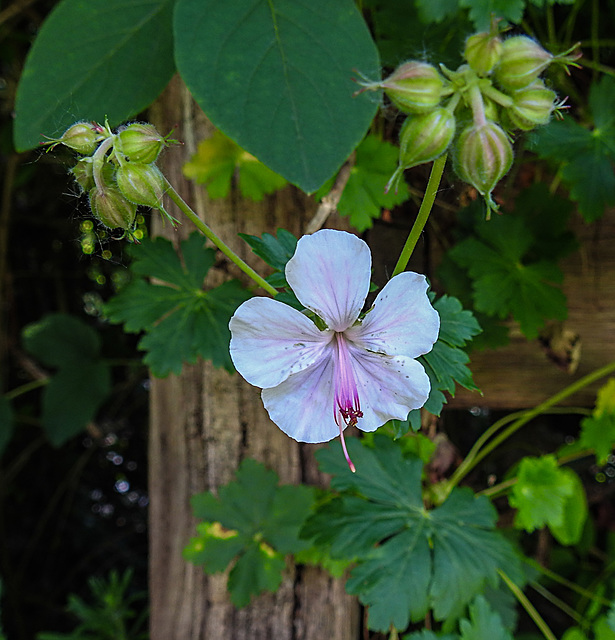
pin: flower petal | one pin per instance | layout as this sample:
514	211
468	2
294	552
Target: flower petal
330	274
303	405
389	388
271	341
402	320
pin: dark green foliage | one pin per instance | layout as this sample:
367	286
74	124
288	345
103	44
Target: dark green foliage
181	320
254	522
278	79
94	60
112	616
411	559
81	381
512	261
586	154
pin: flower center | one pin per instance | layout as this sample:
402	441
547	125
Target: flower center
346	405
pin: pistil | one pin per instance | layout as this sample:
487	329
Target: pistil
347	408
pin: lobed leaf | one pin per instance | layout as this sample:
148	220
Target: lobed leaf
181	320
410	559
252	522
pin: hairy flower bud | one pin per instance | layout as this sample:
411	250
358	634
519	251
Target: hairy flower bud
82	137
141	142
425	137
483	157
482	51
141	183
112	208
414	87
521	62
532	106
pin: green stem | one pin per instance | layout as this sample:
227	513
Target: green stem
425	209
224	248
567	583
528	606
24	388
476	455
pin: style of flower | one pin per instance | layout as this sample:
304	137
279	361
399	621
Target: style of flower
355	371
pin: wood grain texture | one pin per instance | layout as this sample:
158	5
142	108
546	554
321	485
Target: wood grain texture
204	422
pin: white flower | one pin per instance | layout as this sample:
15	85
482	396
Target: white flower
354	372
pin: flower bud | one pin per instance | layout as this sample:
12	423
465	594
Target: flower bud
483	157
521	62
82	137
532	106
141	142
141	183
425	137
482	51
112	208
414	87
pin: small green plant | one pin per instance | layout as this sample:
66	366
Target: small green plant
113	614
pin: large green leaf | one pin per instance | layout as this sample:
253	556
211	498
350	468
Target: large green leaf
93	60
410	559
254	522
276	77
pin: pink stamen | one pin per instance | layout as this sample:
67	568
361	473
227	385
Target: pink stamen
347	404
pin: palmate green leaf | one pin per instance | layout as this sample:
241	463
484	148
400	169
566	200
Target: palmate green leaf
94	60
540	493
275	251
218	159
278	78
598	430
588	154
484	623
364	195
182	322
570	530
446	363
503	283
253	522
426	634
410	560
482	11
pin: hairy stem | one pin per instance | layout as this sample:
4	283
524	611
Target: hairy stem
224	248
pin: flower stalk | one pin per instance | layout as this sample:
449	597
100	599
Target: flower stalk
217	241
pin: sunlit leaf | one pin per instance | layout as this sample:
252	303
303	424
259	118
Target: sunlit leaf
252	522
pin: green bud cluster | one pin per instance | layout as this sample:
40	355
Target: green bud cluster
117	170
475	110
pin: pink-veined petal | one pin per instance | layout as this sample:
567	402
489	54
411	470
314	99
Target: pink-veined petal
330	274
271	341
389	387
303	405
402	320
